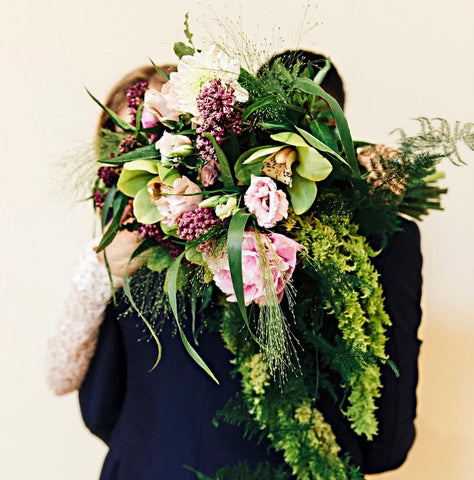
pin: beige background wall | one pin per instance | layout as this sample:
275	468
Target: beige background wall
399	59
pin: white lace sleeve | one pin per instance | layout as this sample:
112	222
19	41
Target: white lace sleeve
74	338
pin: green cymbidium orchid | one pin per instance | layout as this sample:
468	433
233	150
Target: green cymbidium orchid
137	180
310	167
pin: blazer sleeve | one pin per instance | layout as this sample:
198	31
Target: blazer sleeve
102	393
400	270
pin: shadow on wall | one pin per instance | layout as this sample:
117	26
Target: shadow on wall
443	448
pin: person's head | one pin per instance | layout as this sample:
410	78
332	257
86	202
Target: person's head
117	98
332	82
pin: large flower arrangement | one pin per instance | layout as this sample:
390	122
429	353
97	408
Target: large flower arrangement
251	185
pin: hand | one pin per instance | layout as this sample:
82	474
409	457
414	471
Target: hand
119	253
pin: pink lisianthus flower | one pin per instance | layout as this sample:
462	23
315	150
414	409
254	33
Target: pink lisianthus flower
174	205
264	200
157	106
281	254
169	142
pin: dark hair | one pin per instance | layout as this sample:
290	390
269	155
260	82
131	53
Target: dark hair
332	83
117	98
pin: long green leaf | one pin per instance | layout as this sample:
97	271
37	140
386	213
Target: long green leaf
226	173
138	118
194	295
235	236
322	132
319	145
308	86
159	70
149	152
172	289
115	118
109	200
321	75
119	206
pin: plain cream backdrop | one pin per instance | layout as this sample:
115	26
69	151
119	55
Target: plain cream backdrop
400	59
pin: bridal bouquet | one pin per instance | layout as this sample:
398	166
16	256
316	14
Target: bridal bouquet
249	186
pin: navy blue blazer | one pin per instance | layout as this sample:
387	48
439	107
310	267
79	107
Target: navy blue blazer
157	422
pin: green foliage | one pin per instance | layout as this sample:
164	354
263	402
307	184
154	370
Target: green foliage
438	139
243	471
284	413
348	289
181	49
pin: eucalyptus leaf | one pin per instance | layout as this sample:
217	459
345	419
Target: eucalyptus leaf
181	49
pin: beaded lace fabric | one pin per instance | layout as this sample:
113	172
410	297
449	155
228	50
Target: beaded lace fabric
73	341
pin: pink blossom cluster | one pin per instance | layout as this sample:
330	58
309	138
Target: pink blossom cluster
109	175
99	199
127	144
135	96
281	254
154	231
218	116
192	225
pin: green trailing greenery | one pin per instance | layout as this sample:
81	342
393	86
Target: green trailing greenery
348	289
286	414
437	138
243	471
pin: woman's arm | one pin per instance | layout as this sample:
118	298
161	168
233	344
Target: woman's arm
73	341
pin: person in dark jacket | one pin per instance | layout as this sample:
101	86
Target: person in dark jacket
158	422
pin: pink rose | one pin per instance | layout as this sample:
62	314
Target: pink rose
173	206
280	252
158	105
169	142
264	200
